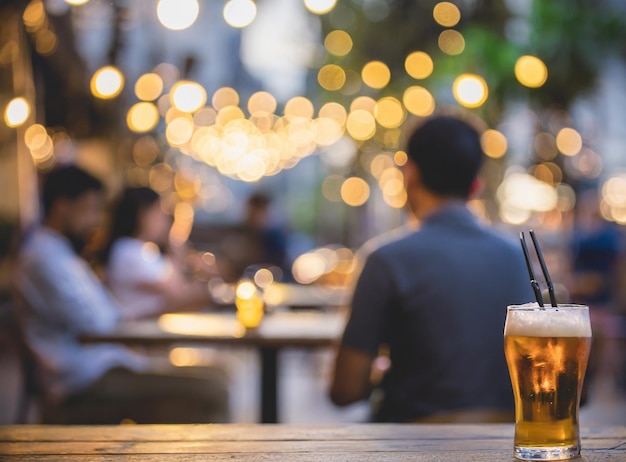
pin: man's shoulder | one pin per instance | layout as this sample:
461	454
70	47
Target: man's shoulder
41	239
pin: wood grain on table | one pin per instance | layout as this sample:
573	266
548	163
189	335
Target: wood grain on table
236	442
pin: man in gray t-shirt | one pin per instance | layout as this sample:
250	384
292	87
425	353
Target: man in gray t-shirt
436	298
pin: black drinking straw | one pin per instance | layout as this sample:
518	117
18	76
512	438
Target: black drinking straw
533	282
544	269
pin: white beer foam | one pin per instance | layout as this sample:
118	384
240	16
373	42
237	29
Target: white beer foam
562	321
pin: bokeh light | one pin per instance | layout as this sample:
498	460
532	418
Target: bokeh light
224	97
363	102
179	131
418	101
239	13
355	191
470	90
308	268
331	77
299	106
261	103
376	74
178	14
187	96
451	42
334	111
419	65
142	117
446	14
569	141
149	87
264	278
525	192
494	143
389	112
361	124
320	6
400	158
16	112
338	43
107	82
76	2
530	71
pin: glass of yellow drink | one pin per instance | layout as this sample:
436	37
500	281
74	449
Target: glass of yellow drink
547	351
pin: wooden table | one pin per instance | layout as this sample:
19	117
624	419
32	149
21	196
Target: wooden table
278	330
363	443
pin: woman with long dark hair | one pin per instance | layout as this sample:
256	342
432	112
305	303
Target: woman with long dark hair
144	279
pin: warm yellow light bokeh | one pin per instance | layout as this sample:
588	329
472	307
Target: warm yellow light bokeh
320	6
34	15
363	102
419	65
494	143
45	42
355	191
569	141
338	43
446	14
530	71
361	124
149	87
261	103
389	112
76	2
179	131
16	112
142	117
107	82
331	77
470	90
334	111
418	101
451	42
187	96
178	14
224	97
263	278
327	131
299	106
376	74
400	158
239	13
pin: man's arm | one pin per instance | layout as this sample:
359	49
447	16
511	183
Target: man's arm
351	380
365	331
64	290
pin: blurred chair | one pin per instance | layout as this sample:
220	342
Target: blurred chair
20	392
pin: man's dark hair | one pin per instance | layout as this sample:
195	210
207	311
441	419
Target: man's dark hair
448	154
68	182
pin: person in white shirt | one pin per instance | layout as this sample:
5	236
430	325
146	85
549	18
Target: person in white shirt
145	280
59	298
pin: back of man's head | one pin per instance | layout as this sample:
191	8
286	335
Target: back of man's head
448	154
67	182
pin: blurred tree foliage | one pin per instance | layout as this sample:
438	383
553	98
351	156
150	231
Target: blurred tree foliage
572	37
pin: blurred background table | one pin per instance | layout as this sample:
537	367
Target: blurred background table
278	330
364	442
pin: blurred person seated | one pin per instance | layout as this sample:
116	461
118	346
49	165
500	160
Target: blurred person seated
436	298
60	298
269	238
146	274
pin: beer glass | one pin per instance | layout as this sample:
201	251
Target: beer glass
546	351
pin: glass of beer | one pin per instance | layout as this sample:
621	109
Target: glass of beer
547	351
